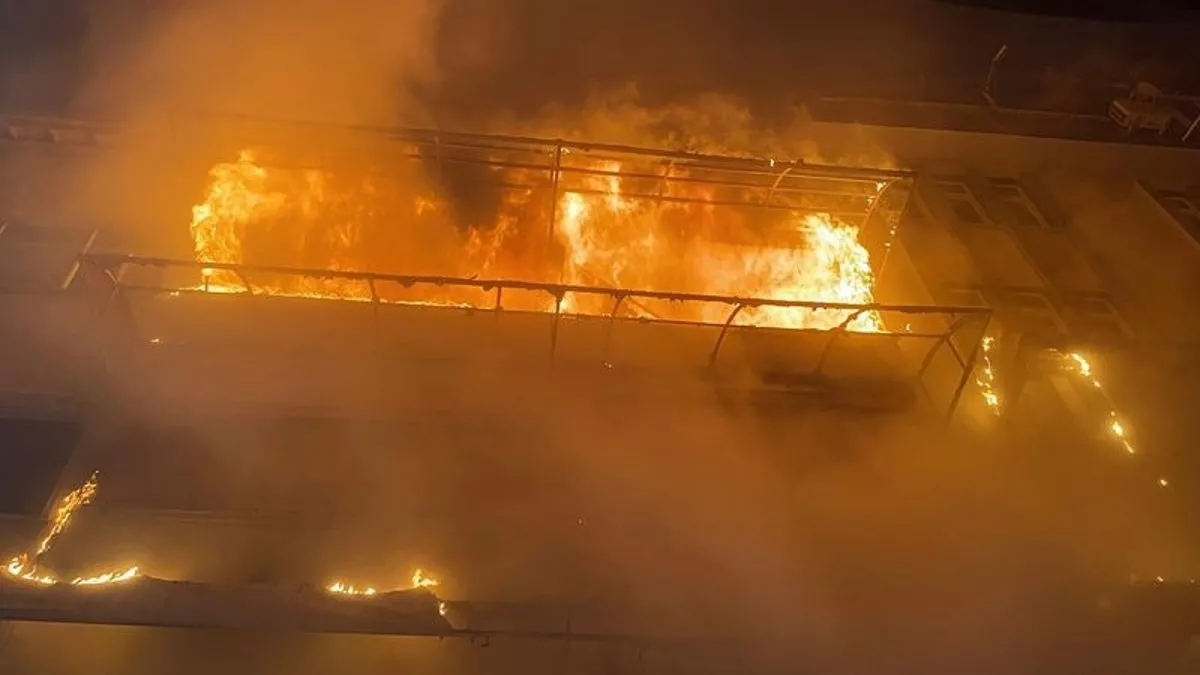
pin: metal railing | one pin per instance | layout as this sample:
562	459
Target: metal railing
113	268
552	166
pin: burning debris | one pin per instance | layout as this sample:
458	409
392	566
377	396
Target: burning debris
604	231
26	566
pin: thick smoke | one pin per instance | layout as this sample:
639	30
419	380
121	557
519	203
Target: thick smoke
867	540
707	123
309	59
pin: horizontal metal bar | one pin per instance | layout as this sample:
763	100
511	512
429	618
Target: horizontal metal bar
567	169
108	261
756	205
479	141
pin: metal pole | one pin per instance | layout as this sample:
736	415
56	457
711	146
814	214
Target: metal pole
558	300
1192	128
737	309
891	238
968	369
558	153
74	271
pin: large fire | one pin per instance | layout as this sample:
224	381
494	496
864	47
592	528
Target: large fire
253	214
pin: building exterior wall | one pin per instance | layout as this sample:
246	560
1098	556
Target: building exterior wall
1090	246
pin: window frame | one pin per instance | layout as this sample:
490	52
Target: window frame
1180	206
1019	312
1074	303
958	189
948	291
1010	192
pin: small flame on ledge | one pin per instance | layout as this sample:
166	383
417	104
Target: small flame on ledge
343	588
18	568
418	580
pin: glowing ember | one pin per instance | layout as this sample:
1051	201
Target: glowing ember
24	567
255	215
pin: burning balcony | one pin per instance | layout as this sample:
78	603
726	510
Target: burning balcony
761	274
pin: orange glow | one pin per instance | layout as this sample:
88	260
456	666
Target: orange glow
67	507
343	588
24	567
1082	367
252	214
985	377
418	580
107	578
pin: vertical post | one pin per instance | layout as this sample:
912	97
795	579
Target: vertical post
737	309
968	369
437	148
775	186
558	300
890	238
666	177
374	310
558	153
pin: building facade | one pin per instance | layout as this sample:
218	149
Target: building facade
1083	252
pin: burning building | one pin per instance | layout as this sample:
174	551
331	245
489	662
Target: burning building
356	392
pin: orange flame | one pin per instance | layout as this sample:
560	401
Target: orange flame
343	588
24	567
418	580
601	238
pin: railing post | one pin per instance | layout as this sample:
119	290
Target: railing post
775	186
374	309
737	309
612	319
837	332
890	240
558	300
558	153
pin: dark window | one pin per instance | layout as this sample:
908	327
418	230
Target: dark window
916	210
1023	211
1029	301
1094	317
1033	311
1184	209
966	209
32	455
963	296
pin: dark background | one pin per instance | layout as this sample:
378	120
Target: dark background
521	54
